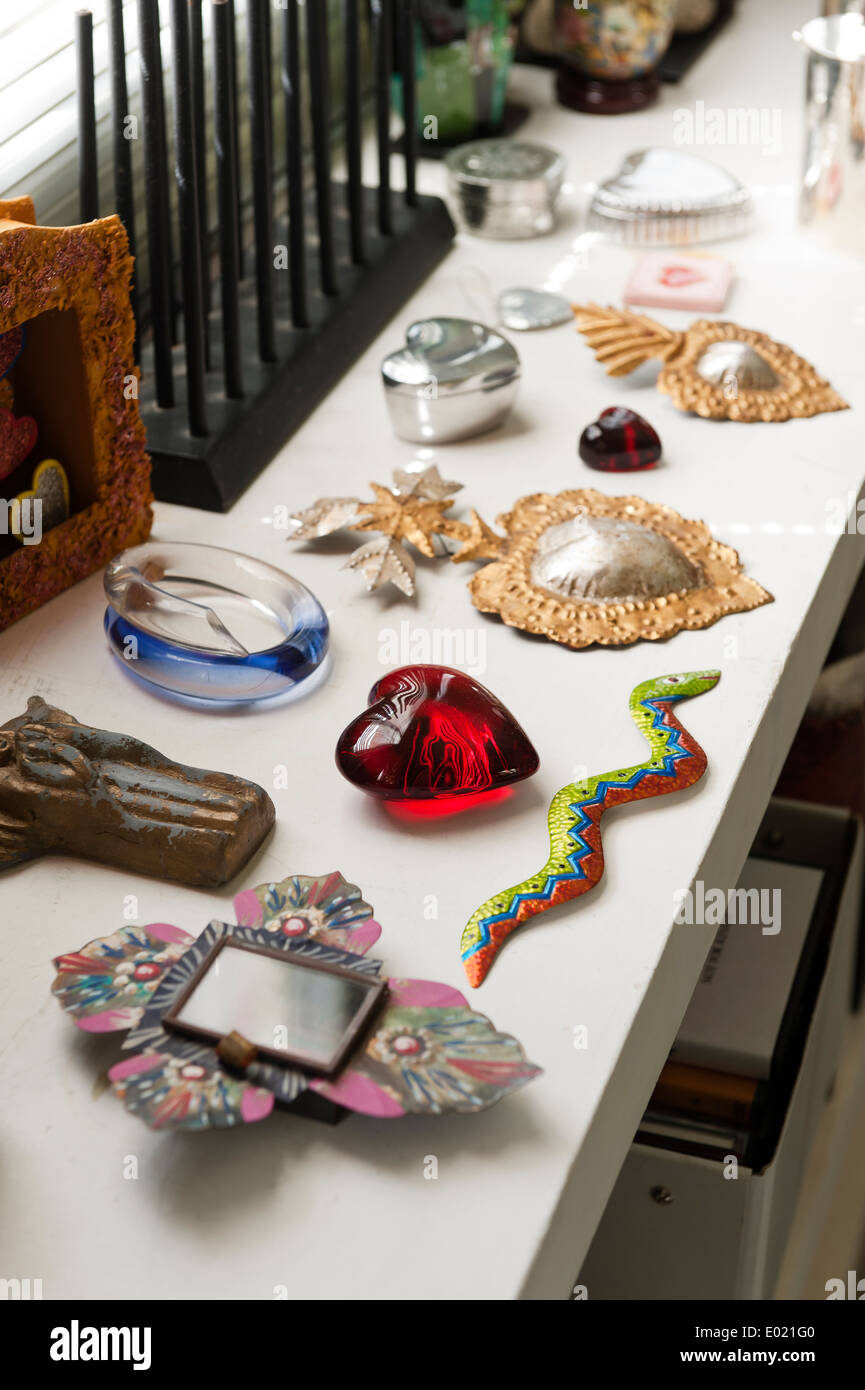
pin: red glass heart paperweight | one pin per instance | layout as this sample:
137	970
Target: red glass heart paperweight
431	732
619	441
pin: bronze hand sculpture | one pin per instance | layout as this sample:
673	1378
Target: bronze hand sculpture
67	788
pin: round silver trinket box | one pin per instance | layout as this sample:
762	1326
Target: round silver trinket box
453	379
504	188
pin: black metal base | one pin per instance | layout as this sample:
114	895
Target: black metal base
244	435
311	1106
583	93
685	49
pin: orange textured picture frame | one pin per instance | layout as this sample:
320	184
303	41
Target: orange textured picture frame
76	377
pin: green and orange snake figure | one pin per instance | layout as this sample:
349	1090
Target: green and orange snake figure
576	860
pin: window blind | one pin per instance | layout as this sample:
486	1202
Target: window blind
38	108
38	135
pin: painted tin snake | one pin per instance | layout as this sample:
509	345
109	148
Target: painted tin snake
576	861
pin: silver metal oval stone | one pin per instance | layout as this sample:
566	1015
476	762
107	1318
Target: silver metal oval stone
524	309
602	559
728	359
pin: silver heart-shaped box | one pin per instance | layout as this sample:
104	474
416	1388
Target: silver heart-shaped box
454	378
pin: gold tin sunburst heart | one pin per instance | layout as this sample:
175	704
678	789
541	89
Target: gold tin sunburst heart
716	369
580	568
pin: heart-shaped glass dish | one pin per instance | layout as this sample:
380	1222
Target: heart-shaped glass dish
665	197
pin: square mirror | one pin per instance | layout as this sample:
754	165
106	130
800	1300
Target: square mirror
291	1009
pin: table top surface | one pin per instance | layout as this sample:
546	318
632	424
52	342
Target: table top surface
289	1208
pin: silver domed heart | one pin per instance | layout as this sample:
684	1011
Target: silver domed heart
728	360
602	559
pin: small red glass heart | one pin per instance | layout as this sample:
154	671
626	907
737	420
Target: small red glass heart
619	441
677	276
11	344
433	732
18	436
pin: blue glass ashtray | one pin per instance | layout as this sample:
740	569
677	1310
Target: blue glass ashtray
211	624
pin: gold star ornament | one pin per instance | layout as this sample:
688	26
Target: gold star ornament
410	512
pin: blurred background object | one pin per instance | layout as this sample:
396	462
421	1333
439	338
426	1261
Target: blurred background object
610	52
691	16
843	6
832	192
696	24
463	54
